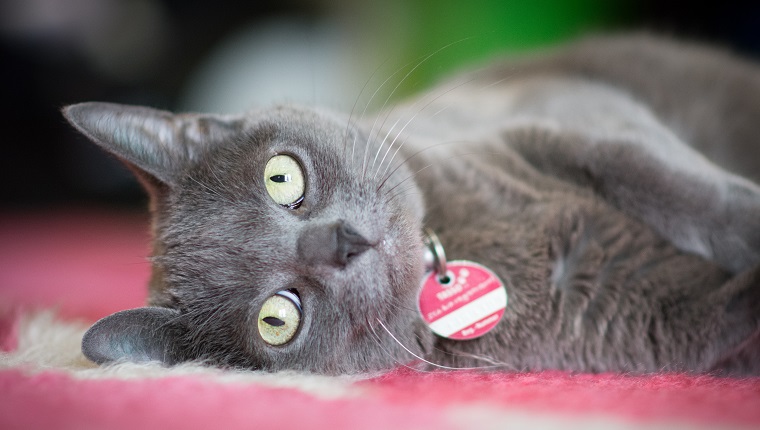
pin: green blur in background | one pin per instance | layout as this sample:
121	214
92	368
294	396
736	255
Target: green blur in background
461	32
392	49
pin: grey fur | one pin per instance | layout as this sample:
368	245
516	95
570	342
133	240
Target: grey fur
609	184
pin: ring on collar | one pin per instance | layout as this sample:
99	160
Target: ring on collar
435	256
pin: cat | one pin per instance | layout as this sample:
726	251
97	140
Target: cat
610	186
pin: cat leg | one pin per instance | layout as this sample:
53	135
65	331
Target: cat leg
706	210
714	214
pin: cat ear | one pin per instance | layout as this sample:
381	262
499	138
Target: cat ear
136	335
155	142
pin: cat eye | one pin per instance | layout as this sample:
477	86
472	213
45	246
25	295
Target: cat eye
285	181
280	317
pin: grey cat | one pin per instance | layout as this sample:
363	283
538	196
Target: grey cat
611	185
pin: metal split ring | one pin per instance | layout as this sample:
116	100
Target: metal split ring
435	256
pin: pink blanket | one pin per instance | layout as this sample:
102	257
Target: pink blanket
87	264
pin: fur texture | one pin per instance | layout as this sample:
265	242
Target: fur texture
609	184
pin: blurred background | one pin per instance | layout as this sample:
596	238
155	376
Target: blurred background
232	55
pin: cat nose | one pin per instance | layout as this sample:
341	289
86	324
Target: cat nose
333	244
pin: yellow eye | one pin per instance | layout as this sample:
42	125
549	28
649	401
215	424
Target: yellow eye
284	181
279	318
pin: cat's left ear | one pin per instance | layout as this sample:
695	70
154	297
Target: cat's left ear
156	144
136	335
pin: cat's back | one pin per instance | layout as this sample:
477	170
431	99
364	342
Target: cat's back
654	86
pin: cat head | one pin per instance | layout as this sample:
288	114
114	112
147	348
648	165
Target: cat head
276	246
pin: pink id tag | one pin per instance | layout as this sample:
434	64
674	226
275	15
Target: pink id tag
468	306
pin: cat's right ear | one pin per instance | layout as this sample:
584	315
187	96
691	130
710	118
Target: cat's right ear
136	335
157	144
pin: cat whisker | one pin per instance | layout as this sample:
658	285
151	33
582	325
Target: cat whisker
222	185
421	62
171	321
456	353
379	342
426	167
492	362
451	353
406	125
402	192
390	163
223	298
369	102
210	190
356	102
464	154
410	352
209	316
451	142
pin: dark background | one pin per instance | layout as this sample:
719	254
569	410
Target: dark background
55	52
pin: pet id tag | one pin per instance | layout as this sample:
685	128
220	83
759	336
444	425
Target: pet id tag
465	303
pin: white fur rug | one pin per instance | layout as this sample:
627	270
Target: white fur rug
45	381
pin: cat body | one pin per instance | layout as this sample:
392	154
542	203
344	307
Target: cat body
609	185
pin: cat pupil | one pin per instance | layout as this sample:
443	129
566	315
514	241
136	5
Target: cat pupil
276	322
280	178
